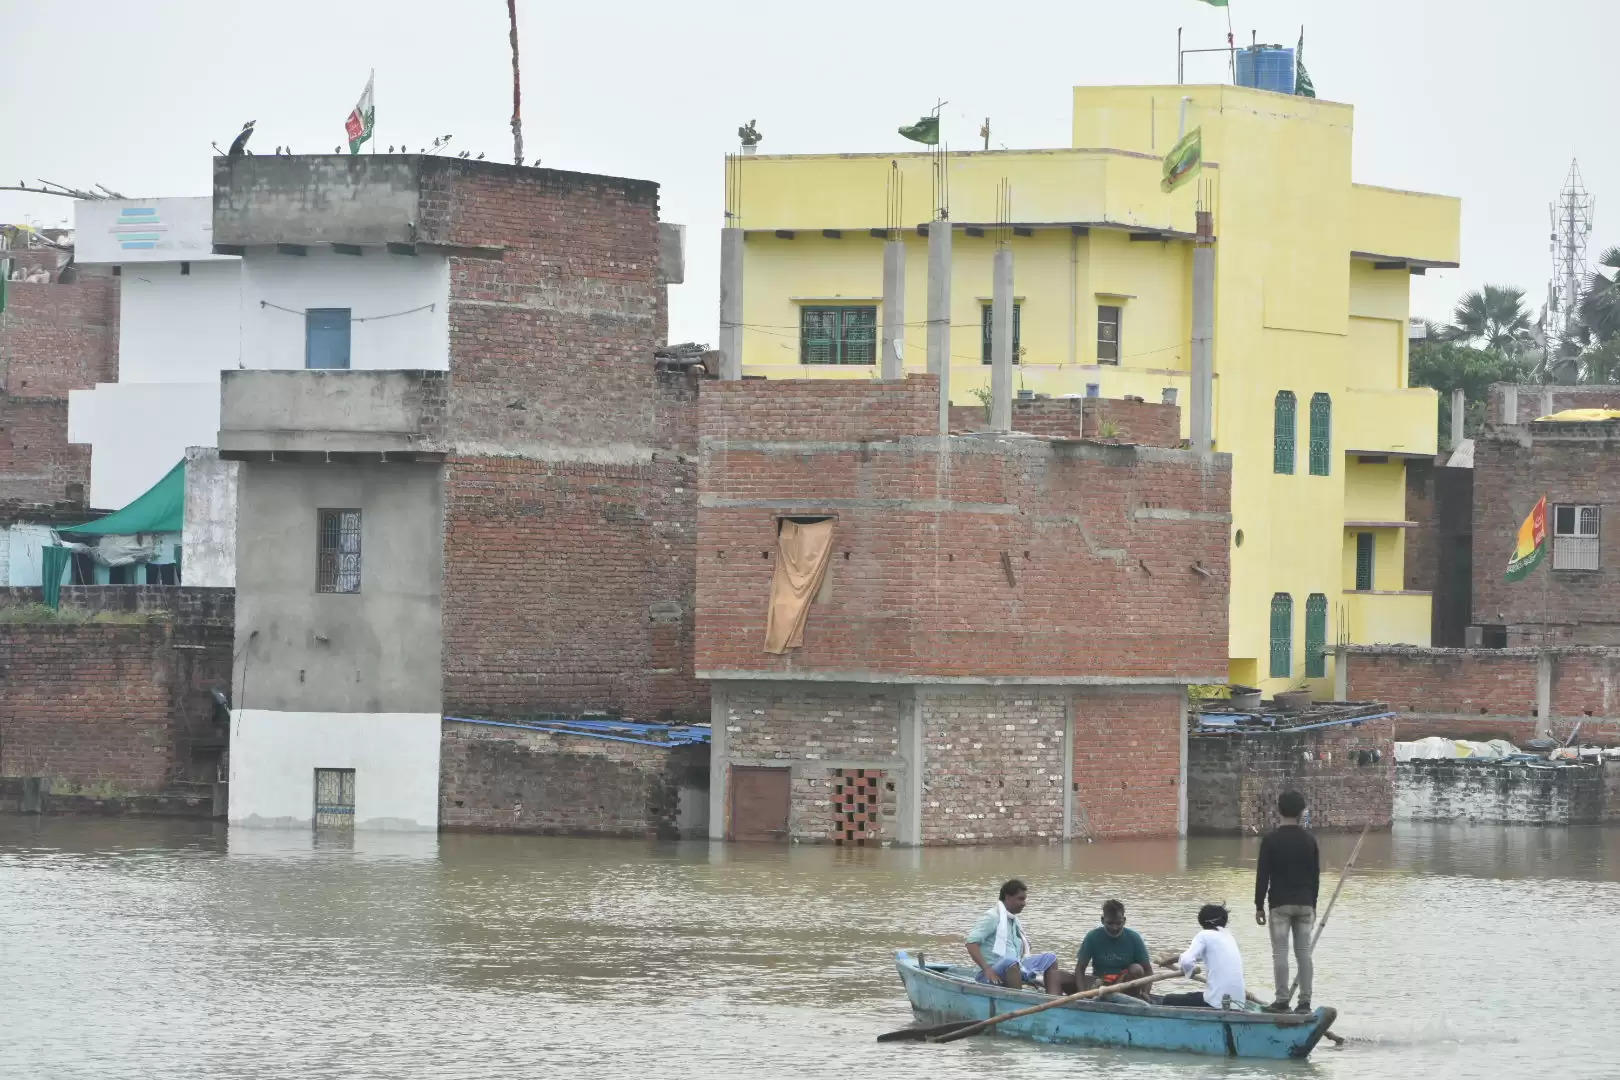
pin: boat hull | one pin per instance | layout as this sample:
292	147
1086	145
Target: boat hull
941	997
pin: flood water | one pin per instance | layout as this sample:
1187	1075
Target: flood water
180	950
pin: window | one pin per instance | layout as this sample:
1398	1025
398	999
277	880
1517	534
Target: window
1282	635
334	798
988	345
1321	434
838	335
326	338
337	561
1108	333
1575	537
1364	562
1315	636
1282	449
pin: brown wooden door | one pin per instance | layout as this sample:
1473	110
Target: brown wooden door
759	804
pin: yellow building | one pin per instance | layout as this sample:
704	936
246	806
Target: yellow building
1312	277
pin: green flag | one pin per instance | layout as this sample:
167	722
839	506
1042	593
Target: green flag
1184	158
1302	78
1215	3
925	131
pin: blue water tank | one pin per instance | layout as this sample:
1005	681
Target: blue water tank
1266	67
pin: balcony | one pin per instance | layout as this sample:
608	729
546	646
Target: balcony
1397	422
299	415
1413	227
1387	618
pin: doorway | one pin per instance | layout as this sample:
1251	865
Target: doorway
760	798
334	798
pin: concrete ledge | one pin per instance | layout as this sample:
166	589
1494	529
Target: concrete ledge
867	677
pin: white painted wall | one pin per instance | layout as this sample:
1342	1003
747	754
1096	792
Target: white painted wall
395	757
131	231
175	327
209	556
24	564
137	431
370	285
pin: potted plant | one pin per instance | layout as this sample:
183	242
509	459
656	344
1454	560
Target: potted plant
1295	699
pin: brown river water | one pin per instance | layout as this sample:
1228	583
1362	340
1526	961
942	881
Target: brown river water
179	950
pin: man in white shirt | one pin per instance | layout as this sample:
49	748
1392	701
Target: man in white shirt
1217	950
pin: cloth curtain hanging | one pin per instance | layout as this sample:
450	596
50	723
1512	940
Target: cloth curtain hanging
802	552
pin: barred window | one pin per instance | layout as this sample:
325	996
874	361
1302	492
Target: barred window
337	558
838	335
987	346
1575	537
1315	636
1282	636
1282	453
1364	561
1108	333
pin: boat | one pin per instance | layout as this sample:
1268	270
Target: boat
943	993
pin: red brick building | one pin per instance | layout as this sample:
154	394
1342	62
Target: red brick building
1001	644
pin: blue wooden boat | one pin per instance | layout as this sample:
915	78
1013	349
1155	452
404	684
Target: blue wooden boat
942	993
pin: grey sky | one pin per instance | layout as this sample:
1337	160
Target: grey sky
1487	101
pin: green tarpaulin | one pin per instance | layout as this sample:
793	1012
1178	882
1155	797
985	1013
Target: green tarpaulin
161	509
53	562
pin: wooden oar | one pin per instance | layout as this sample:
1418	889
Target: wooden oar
961	1029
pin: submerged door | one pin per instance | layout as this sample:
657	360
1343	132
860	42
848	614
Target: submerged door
759	804
334	798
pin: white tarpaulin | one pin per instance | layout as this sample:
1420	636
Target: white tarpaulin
123	550
1436	747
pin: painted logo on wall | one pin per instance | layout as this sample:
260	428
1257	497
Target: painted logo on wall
138	228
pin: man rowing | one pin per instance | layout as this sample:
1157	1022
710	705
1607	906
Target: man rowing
997	945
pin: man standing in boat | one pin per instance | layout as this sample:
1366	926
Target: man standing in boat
1114	952
996	944
1286	880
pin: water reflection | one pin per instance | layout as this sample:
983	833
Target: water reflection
183	950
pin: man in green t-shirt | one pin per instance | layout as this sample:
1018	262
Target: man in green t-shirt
1114	953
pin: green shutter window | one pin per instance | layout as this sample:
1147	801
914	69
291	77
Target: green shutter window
1282	635
1282	453
984	322
1315	636
838	335
1364	562
1321	434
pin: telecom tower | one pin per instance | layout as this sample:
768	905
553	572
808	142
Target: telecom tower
1571	226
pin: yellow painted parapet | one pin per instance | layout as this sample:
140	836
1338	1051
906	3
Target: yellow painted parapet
1388	618
1409	226
1389	421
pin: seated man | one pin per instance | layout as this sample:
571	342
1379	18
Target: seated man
1215	946
1114	953
996	944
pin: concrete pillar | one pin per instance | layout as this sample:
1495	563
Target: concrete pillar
909	810
719	770
1544	676
731	303
1459	410
1201	399
1181	780
1341	673
1510	405
1068	766
894	309
939	316
1001	340
1546	402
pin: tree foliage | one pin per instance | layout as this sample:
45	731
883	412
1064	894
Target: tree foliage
1449	365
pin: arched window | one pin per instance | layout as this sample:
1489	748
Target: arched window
1282	635
1315	636
1321	434
1282	453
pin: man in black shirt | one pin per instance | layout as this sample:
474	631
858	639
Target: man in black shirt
1290	869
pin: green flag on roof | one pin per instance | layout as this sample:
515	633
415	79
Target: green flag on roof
1184	159
1302	78
925	131
1215	3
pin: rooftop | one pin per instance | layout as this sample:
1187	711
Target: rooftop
1217	718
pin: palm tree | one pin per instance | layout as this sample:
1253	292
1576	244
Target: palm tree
1494	318
1600	301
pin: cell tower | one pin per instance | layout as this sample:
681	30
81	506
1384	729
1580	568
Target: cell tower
1571	226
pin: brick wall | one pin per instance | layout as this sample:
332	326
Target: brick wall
1568	463
568	587
1140	422
512	780
1596	396
994	765
571	501
114	709
37	463
816	731
1346	773
1491	693
1439	548
1034	558
1127	761
1487	793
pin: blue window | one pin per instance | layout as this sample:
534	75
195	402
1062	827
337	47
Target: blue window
326	338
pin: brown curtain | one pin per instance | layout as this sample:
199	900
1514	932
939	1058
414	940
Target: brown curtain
801	563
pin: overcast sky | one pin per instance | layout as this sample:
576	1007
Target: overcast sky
1488	101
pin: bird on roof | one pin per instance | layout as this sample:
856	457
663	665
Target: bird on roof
239	145
480	156
278	150
337	149
390	148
